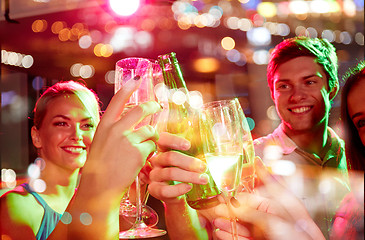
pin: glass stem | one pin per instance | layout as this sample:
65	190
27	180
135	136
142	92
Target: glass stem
227	198
138	201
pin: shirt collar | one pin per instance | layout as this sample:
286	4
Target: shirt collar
287	145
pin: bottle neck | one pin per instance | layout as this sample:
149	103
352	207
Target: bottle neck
172	72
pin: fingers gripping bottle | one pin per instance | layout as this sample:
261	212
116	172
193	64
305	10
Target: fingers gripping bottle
183	120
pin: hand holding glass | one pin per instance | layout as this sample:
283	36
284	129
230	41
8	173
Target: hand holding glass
228	147
130	69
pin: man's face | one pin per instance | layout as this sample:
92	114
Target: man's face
300	94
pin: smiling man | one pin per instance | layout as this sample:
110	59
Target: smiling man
302	76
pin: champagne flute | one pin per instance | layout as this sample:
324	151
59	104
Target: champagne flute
130	69
228	148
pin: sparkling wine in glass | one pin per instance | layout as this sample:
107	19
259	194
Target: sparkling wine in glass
130	69
228	148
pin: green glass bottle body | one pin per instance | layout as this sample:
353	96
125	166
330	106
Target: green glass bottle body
183	120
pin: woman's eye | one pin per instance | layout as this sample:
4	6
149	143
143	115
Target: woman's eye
360	123
61	124
282	86
88	125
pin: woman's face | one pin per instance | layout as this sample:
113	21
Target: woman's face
356	107
66	133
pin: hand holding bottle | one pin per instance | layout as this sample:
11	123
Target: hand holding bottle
171	165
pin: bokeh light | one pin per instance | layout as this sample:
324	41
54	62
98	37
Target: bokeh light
39	185
39	25
267	9
261	57
85	218
37	83
66	218
178	97
124	7
196	99
58	26
85	41
259	36
228	43
206	65
27	61
251	123
272	152
87	71
110	77
8	178
283	167
34	171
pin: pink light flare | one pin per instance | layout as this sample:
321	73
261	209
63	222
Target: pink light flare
124	7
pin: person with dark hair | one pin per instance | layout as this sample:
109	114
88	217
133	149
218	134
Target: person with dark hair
84	166
349	220
302	77
352	115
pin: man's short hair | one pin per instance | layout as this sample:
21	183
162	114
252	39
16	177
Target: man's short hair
323	51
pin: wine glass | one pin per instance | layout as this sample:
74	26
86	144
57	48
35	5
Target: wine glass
128	211
228	148
130	69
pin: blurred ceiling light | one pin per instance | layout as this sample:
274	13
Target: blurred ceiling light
299	7
123	38
267	9
206	65
319	6
124	7
228	43
349	8
259	36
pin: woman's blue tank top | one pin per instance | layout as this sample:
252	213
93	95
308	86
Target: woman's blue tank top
50	217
